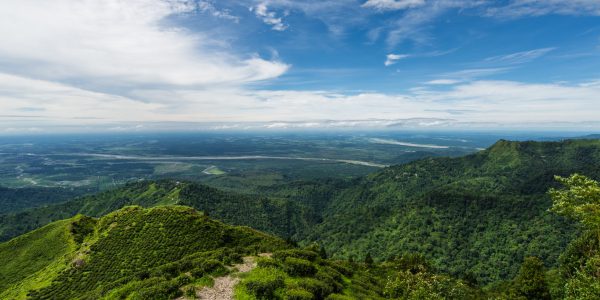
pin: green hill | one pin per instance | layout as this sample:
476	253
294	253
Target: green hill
130	250
275	215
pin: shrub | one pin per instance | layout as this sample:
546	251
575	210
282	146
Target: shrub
266	262
296	253
298	294
316	287
212	265
338	297
263	282
299	267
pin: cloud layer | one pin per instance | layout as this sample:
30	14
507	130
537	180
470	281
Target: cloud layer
92	63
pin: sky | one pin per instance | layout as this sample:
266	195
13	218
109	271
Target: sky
130	65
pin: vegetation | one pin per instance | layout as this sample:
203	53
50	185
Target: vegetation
303	274
580	263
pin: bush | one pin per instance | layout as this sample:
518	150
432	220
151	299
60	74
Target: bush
212	265
296	253
297	294
316	287
265	262
338	297
299	267
263	282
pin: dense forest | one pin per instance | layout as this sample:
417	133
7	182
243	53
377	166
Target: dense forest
476	225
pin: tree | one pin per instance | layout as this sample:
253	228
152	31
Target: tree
580	263
531	280
579	201
368	259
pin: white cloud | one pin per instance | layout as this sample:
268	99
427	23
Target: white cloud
470	74
268	17
394	58
117	42
520	57
393	4
443	81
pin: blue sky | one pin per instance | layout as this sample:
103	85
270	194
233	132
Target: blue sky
239	64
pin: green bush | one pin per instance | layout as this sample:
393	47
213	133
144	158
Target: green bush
263	282
316	287
339	297
296	253
297	294
266	262
298	267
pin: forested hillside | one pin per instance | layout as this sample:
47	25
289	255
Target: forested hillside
477	215
18	199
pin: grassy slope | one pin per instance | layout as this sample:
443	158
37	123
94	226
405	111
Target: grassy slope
145	248
478	214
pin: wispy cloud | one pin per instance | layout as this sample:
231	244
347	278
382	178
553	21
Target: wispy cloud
443	81
523	8
394	58
520	57
467	75
393	4
269	17
207	6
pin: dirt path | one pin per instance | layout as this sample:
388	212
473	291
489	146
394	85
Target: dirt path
223	287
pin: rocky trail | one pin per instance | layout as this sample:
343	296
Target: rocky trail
224	286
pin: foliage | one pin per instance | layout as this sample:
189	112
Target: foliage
580	263
531	283
14	200
579	201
